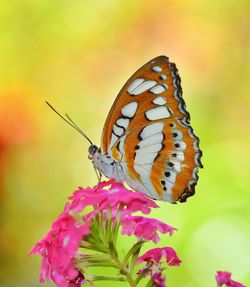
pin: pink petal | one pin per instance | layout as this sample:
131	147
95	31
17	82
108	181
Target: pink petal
158	280
145	228
223	277
157	254
58	249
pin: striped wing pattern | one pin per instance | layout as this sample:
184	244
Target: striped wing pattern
148	131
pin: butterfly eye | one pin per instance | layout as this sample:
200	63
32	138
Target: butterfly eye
92	149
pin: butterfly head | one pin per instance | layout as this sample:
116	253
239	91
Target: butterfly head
92	150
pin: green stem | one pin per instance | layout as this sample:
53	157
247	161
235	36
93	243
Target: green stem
116	224
101	228
150	283
141	276
109	224
135	255
112	278
123	269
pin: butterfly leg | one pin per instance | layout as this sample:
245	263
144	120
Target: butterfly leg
98	174
100	177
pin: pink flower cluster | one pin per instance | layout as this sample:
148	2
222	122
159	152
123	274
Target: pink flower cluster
68	248
60	246
58	249
111	194
153	259
223	278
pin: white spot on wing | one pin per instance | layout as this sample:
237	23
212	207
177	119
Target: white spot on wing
169	186
196	145
191	133
180	145
135	84
130	109
177	95
157	69
158	89
177	135
177	166
179	156
172	176
197	159
147	187
175	83
149	149
160	101
182	108
194	174
143	169
143	87
151	130
118	131
163	77
123	122
165	86
157	113
154	139
142	158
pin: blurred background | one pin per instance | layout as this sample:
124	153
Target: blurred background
77	55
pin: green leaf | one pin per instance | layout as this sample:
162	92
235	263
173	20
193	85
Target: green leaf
134	252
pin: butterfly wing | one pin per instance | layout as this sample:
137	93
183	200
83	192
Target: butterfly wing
149	133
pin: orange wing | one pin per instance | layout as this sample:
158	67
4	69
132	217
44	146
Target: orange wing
148	131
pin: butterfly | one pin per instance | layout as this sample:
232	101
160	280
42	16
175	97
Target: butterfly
147	140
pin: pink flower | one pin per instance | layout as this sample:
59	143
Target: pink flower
78	281
156	254
112	206
153	264
223	277
158	280
233	283
112	197
145	228
58	249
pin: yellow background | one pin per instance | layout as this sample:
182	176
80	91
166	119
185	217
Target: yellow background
77	55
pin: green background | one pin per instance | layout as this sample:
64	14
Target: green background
77	55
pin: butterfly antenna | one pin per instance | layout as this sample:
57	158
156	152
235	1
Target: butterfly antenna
69	121
76	126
